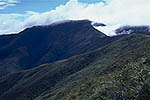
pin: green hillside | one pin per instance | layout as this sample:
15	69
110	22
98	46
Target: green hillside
118	71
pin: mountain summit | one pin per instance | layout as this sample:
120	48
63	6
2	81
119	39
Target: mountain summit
45	44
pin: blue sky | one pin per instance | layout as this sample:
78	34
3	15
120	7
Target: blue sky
38	5
16	15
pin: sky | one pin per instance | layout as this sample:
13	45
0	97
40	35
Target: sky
16	15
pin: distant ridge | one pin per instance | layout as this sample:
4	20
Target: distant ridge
133	29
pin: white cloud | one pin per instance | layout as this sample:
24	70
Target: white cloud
7	3
12	23
113	13
109	29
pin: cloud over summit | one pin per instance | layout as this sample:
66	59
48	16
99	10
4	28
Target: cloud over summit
113	13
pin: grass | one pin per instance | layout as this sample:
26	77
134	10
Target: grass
118	71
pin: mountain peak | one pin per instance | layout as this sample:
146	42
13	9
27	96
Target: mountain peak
45	44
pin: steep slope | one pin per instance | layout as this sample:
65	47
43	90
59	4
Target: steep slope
5	39
45	44
85	77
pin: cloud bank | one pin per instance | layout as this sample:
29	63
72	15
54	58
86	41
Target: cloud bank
113	13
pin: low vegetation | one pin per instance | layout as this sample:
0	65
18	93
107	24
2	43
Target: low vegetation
117	71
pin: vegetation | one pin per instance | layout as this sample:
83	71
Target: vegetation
117	71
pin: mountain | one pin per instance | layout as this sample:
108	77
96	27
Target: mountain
45	44
5	39
133	29
117	71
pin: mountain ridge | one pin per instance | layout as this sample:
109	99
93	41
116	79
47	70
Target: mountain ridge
44	44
